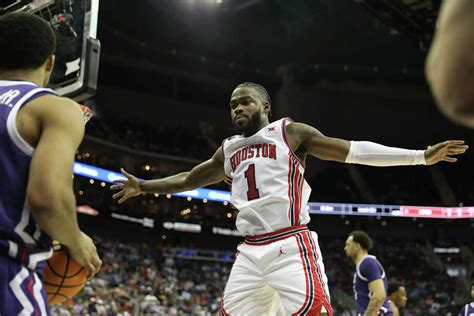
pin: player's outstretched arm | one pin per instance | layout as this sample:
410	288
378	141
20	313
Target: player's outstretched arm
209	172
369	153
49	192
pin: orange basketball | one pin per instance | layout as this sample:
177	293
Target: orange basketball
63	276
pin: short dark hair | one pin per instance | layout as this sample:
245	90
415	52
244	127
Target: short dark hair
26	41
260	89
393	287
362	239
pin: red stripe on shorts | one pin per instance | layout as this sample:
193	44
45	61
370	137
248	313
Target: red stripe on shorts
320	296
300	247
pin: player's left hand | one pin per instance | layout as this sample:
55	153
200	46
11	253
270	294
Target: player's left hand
444	151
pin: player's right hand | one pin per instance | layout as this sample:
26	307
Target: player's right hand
85	253
128	187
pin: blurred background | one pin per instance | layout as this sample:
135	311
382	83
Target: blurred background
351	68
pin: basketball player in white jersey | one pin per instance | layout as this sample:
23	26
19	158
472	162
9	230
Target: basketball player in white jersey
279	268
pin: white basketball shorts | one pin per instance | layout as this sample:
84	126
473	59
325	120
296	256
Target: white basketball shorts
279	273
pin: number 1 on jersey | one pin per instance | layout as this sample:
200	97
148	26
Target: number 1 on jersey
252	192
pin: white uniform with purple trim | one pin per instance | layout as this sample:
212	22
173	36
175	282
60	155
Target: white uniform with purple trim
279	268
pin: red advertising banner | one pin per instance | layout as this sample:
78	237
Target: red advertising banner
437	212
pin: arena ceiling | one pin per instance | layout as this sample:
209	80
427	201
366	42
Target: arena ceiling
265	33
201	45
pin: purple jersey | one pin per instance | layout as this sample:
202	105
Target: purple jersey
20	237
467	310
368	270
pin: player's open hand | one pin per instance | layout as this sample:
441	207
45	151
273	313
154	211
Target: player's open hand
128	187
444	151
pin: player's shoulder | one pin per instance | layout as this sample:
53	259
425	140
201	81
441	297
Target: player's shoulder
369	261
53	100
230	140
299	128
50	106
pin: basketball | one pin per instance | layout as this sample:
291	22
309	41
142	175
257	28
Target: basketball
63	276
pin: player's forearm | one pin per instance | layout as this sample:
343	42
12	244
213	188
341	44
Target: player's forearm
57	217
172	184
374	306
373	154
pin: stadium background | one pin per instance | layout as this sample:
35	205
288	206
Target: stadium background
353	69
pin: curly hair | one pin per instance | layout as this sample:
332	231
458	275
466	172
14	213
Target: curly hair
26	41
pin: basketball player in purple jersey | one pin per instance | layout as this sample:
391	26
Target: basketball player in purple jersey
279	268
468	309
39	134
397	297
370	281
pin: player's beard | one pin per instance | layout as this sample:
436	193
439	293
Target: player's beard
252	124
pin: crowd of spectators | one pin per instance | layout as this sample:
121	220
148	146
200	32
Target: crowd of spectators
137	279
141	279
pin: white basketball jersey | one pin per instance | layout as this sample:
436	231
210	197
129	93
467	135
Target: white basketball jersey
266	180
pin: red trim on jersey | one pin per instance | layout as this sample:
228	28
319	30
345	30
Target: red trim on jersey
300	195
291	189
285	138
228	180
290	216
295	190
297	194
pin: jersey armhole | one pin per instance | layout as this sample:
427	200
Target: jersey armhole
285	138
12	129
222	149
223	158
